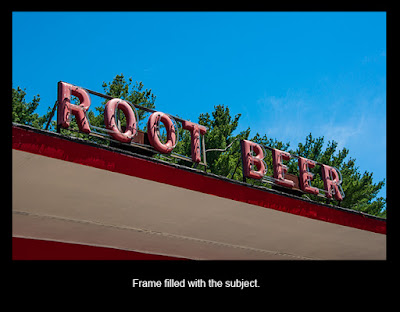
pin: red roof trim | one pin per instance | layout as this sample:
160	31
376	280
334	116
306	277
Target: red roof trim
54	146
38	249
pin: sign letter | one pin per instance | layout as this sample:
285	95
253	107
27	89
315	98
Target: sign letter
110	120
306	176
279	168
65	108
332	182
153	132
195	131
248	160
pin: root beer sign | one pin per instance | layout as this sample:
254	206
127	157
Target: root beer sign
253	154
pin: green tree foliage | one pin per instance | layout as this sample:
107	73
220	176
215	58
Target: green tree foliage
220	128
23	112
223	145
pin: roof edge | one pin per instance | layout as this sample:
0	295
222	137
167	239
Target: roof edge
189	169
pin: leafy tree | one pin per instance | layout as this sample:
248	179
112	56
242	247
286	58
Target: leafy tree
219	136
23	112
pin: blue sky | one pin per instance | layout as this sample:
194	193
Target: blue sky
287	73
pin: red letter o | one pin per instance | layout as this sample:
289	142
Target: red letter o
109	120
152	132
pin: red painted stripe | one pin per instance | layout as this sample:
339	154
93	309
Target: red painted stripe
34	249
56	147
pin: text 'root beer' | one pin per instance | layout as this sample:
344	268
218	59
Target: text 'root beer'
253	154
